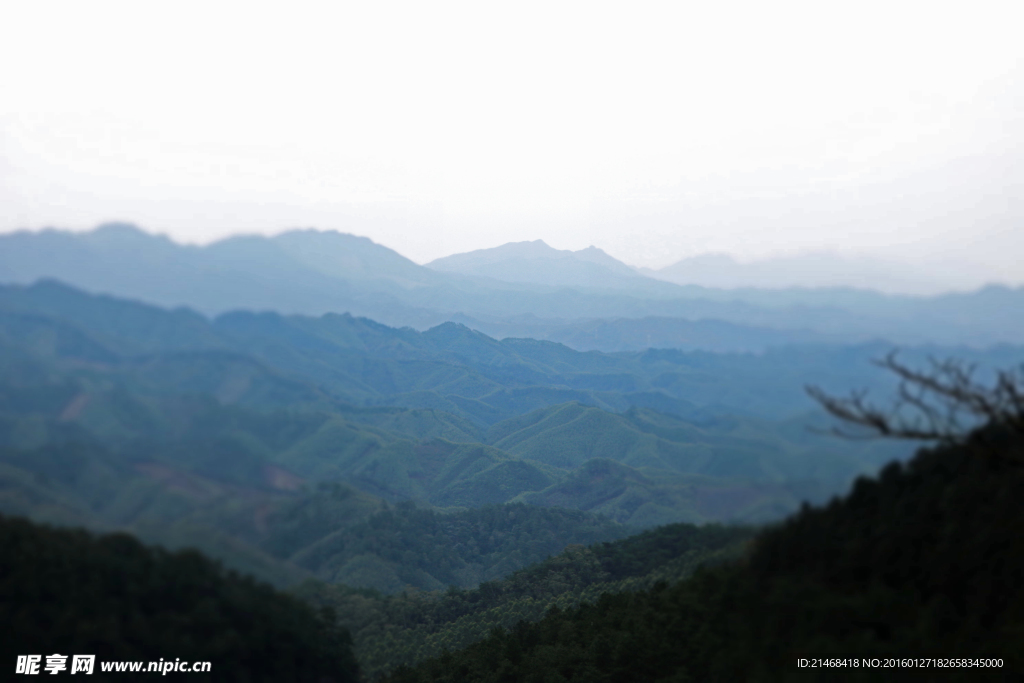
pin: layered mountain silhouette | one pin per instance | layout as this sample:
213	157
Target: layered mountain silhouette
115	412
315	409
537	263
585	299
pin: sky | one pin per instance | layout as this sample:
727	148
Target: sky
655	131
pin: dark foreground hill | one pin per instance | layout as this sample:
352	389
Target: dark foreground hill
924	561
406	628
67	592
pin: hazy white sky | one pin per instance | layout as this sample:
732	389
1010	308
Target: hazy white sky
655	131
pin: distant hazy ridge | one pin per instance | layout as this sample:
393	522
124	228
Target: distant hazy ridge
585	299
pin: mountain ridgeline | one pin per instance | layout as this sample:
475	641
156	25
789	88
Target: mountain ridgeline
922	562
407	628
173	402
449	493
585	299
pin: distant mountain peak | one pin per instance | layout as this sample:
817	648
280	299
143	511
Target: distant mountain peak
118	232
538	263
530	248
333	236
342	254
118	227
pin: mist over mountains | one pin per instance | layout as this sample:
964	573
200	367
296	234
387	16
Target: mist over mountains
536	262
428	449
515	375
208	432
585	299
552	343
808	270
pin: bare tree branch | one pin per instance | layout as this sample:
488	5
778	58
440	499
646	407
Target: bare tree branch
941	404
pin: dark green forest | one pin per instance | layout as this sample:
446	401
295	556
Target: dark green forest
218	435
448	417
69	592
405	628
441	505
404	546
923	561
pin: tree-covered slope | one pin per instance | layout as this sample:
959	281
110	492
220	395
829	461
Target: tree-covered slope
570	434
254	488
123	370
355	360
411	626
923	561
220	492
643	500
405	547
69	592
644	468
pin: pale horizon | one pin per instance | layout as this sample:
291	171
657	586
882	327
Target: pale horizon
888	131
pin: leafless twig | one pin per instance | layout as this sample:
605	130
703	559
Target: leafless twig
941	404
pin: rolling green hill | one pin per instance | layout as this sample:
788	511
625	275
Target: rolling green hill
340	361
922	562
195	432
643	468
354	361
404	547
69	592
257	517
404	477
402	629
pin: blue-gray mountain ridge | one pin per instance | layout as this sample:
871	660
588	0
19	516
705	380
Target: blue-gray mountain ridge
585	299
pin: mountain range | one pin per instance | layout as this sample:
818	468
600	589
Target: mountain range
815	270
537	263
922	559
585	299
432	475
219	433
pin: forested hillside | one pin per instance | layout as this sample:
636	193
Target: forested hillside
390	631
405	477
923	561
68	592
272	403
494	342
275	359
401	548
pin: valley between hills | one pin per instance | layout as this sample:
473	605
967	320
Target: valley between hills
495	456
